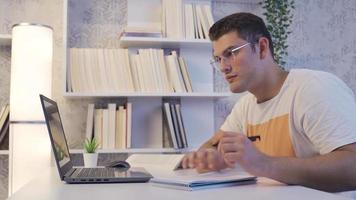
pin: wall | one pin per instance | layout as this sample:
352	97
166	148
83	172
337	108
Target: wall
322	38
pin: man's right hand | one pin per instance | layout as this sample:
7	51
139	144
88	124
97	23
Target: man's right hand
204	160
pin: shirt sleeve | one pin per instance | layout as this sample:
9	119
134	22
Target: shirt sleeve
328	113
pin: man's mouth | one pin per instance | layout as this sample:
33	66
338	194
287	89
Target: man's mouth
231	77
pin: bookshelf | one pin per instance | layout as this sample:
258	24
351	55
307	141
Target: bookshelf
5	40
197	107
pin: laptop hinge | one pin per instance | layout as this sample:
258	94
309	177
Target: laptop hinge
70	172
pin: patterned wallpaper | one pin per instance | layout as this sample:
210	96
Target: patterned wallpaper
4	163
5	59
322	38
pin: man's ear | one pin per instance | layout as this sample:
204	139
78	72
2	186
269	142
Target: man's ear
263	44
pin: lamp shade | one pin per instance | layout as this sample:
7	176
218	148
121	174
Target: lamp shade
31	75
31	70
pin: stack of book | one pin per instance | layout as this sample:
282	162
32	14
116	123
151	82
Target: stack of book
104	70
174	122
110	126
179	20
186	20
114	70
4	126
130	31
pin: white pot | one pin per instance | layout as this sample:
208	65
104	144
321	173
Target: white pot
90	159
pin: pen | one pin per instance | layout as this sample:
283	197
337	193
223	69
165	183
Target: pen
251	138
254	138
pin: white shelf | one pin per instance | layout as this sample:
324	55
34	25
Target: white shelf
5	40
4	152
197	108
151	42
135	150
148	94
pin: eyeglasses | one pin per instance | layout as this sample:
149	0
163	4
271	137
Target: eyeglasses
226	56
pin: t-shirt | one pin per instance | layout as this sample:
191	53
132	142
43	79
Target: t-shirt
313	114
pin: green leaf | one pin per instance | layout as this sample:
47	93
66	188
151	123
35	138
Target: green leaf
90	145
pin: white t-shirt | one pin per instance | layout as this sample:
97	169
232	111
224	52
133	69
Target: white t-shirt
313	113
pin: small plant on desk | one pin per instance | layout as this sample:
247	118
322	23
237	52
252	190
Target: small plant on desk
90	155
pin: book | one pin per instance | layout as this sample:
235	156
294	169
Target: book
181	125
105	129
89	132
150	31
4	133
190	180
120	136
4	115
202	22
189	21
111	125
209	14
168	119
166	162
185	74
174	73
76	84
176	126
134	70
98	126
128	124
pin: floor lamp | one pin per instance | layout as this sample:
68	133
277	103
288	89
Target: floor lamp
31	75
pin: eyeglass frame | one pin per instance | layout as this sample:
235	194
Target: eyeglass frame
227	59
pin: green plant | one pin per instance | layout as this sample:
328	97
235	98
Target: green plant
279	16
90	145
59	151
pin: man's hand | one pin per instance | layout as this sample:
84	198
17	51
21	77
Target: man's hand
204	160
237	148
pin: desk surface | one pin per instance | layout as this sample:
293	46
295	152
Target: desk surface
49	186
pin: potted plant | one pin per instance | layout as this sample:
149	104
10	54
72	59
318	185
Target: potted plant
90	156
279	16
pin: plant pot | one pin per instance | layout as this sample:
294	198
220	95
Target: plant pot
90	159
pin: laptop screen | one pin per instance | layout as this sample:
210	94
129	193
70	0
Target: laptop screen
56	132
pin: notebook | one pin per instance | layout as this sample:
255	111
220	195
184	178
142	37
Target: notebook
65	167
190	180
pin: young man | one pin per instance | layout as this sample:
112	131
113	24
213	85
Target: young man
303	122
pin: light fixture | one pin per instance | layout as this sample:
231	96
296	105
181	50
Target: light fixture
31	75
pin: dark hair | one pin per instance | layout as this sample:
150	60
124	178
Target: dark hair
247	26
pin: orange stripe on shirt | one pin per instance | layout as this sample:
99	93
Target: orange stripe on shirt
275	139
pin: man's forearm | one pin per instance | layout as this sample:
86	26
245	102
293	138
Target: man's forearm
332	172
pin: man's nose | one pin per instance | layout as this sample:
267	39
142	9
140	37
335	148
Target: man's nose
225	67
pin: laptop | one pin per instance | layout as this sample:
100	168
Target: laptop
65	167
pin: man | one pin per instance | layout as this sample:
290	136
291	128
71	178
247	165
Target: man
303	122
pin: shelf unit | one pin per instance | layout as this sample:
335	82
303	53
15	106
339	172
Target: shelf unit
147	122
5	40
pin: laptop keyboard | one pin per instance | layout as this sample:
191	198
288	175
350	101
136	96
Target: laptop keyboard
96	172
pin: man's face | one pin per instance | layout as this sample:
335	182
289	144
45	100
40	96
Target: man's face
239	68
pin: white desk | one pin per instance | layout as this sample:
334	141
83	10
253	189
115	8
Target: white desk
50	187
